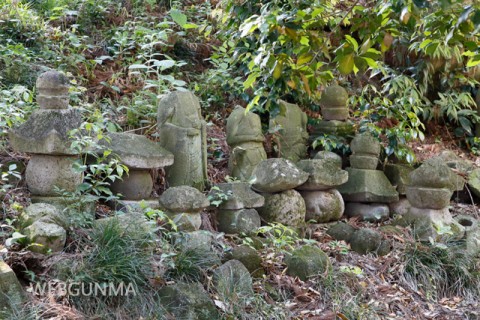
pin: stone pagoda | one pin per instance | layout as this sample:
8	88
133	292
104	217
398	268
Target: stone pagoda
368	191
335	112
45	136
322	200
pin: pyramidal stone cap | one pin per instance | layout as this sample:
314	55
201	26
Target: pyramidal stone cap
52	87
137	151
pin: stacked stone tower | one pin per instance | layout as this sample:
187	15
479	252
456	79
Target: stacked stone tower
323	202
335	112
431	187
45	135
368	190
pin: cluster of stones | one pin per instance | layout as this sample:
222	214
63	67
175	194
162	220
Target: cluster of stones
362	241
276	179
182	131
245	139
45	135
291	132
335	112
184	205
237	213
323	202
368	191
431	187
140	155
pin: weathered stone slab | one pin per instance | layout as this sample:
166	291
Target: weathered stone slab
46	132
52	88
433	224
323	174
474	182
188	301
183	199
240	195
137	151
367	186
245	221
365	144
323	206
429	198
276	175
330	156
363	161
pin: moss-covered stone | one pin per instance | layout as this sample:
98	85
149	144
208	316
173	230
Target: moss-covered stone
245	221
250	258
323	206
399	176
188	301
277	175
232	279
323	174
366	240
341	231
45	236
183	199
11	293
307	261
287	208
365	144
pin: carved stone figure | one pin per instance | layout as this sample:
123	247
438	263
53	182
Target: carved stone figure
245	138
183	132
293	135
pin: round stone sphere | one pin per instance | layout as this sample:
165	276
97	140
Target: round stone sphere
137	185
44	172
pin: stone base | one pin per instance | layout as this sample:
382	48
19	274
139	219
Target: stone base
187	221
136	185
367	186
45	173
429	198
245	221
333	127
134	205
323	206
399	207
472	234
372	212
74	208
433	224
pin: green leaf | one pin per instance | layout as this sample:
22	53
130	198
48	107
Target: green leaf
346	64
250	80
352	41
178	17
164	64
137	66
473	62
